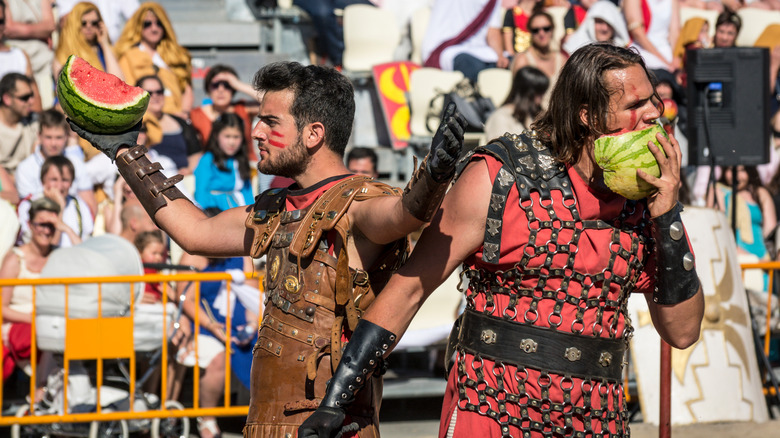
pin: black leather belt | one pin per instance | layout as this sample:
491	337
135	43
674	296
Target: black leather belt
541	348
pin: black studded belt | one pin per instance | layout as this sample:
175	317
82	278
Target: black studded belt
541	348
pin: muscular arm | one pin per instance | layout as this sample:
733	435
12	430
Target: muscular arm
679	325
456	232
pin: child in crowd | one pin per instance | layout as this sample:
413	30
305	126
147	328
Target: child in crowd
151	246
222	178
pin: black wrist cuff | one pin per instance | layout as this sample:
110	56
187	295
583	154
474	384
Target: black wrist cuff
362	356
675	277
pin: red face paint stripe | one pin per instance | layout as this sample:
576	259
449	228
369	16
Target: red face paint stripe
276	143
277	134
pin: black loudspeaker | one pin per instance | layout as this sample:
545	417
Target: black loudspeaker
728	90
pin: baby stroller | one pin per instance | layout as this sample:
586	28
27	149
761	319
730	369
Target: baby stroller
106	255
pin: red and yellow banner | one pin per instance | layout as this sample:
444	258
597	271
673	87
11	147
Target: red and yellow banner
392	86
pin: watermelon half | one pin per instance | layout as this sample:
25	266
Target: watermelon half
621	155
98	101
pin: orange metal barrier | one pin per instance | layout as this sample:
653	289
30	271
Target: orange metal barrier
112	338
771	267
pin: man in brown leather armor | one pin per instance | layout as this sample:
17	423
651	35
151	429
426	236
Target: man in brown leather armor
550	257
331	239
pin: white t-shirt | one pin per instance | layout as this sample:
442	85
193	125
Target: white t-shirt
13	61
76	215
114	12
448	19
28	174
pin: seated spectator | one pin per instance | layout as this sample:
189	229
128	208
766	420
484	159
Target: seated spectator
221	84
29	26
84	34
363	161
330	42
7	188
75	221
25	262
212	335
148	46
542	53
223	178
521	106
727	28
603	23
654	27
18	127
114	13
515	31
151	246
575	16
53	136
179	139
464	35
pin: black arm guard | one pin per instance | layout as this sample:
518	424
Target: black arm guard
361	357
676	279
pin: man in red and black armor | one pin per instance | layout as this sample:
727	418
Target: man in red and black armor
332	239
550	258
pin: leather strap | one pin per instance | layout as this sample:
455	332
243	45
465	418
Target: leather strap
264	219
541	348
147	181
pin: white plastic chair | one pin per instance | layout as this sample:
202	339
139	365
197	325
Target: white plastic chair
686	13
424	84
754	21
495	83
371	36
419	25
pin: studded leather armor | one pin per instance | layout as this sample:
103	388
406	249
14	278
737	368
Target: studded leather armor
540	347
312	299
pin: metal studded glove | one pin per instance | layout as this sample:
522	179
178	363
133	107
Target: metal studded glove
361	357
446	145
109	144
676	279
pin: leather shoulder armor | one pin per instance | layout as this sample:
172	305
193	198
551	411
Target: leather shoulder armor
263	220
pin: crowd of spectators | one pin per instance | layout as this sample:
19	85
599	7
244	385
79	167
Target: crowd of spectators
44	164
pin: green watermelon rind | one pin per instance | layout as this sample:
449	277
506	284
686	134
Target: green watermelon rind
612	152
95	116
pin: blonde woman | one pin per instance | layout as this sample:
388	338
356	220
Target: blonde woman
148	46
85	35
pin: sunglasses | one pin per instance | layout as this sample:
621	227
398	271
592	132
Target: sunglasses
93	23
149	23
217	84
43	225
535	30
159	92
25	97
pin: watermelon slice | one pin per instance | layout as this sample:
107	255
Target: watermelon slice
98	101
621	155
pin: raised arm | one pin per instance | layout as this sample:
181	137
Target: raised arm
455	233
387	218
222	235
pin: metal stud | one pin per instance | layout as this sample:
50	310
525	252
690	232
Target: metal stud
676	230
688	261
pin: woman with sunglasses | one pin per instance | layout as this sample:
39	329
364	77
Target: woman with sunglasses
25	262
148	46
542	53
85	35
221	84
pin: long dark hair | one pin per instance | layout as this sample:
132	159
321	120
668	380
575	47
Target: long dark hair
582	85
753	183
529	83
229	120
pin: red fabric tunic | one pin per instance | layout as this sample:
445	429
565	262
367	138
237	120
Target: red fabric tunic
593	255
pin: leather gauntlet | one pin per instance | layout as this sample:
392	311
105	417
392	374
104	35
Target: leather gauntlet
423	195
676	279
362	356
147	181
